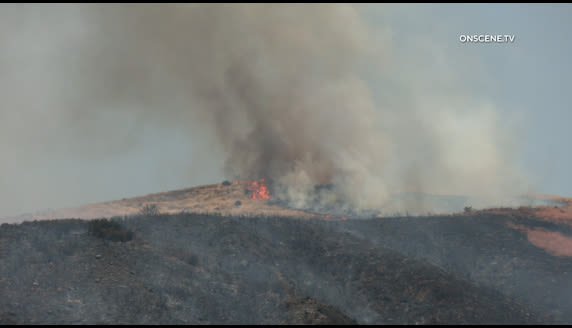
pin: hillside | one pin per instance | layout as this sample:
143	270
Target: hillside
214	198
222	199
198	269
236	199
225	254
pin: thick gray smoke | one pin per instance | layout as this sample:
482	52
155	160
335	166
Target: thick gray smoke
300	94
276	86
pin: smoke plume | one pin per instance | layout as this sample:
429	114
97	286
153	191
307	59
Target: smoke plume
298	94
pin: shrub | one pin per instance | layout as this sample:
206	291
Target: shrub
468	209
192	259
149	210
109	230
226	183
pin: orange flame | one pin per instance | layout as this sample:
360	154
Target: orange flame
259	190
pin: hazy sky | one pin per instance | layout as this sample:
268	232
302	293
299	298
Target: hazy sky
530	82
532	77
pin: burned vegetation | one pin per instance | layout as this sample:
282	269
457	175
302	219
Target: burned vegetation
109	230
210	269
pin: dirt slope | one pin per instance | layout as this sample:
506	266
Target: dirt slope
219	198
215	198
